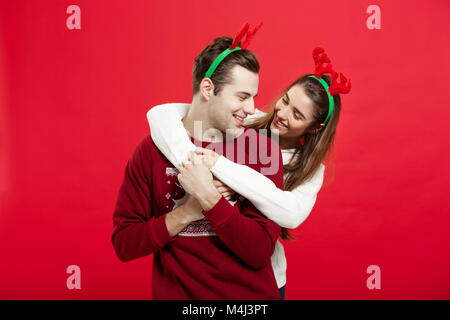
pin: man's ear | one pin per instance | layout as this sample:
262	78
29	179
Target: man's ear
206	88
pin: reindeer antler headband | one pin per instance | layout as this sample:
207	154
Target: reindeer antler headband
320	58
244	31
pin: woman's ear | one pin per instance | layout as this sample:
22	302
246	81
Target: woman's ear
316	130
206	88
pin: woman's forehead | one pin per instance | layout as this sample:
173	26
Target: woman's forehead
299	99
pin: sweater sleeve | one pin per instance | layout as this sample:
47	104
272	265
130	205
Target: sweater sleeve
136	232
243	229
286	208
168	133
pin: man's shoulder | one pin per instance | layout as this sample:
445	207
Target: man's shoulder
146	147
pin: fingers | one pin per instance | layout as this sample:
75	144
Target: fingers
185	165
204	151
227	195
201	151
194	158
217	183
223	189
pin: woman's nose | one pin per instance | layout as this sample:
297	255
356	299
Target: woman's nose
282	112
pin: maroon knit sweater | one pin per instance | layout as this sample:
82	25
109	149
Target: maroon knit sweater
224	256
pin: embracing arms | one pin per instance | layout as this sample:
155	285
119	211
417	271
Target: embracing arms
286	208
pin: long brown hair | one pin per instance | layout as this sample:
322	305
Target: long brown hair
308	156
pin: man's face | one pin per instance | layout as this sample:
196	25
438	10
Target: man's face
231	106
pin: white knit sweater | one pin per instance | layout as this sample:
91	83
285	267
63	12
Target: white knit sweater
286	208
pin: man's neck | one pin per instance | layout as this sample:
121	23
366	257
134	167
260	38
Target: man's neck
197	123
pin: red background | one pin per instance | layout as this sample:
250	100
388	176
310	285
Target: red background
73	107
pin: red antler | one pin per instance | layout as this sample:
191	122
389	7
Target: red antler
339	87
320	57
240	34
250	36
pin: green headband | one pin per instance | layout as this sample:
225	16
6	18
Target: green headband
330	98
218	60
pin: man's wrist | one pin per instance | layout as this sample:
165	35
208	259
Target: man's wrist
176	221
209	199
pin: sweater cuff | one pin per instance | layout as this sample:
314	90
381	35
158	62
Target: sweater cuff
159	232
220	213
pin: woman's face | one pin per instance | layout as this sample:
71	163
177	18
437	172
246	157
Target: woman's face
293	114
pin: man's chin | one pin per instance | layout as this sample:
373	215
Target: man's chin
235	131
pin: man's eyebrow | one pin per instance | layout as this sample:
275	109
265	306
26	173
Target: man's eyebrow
287	96
246	93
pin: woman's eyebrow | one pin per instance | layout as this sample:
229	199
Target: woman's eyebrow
300	113
287	96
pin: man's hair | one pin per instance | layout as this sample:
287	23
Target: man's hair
222	74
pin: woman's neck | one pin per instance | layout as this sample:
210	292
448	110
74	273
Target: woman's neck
288	143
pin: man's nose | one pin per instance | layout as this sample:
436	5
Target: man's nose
249	106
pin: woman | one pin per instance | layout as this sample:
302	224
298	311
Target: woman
298	118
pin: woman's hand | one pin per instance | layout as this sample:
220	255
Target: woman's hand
197	180
223	189
209	157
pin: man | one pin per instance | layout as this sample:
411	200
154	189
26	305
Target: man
203	247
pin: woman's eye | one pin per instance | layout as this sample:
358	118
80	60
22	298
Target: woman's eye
285	101
241	99
296	116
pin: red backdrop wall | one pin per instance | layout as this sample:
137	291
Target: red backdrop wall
73	107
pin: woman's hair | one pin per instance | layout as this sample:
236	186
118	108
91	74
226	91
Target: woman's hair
222	75
316	147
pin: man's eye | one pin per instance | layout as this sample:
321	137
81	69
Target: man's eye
296	116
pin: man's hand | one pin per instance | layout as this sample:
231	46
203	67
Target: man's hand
197	180
209	157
